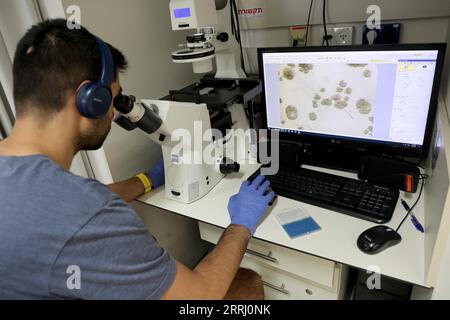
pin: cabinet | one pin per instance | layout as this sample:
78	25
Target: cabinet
286	273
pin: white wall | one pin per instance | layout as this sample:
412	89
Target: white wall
6	99
283	13
437	221
421	21
16	16
442	275
442	289
141	29
413	31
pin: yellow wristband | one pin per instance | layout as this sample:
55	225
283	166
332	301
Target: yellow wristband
145	181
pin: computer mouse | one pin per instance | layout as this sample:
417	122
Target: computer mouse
377	239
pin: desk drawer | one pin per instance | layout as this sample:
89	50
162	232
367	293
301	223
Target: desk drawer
283	286
306	266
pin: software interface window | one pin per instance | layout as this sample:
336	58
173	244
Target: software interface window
376	95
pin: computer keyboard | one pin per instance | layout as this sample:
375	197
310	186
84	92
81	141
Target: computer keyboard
344	195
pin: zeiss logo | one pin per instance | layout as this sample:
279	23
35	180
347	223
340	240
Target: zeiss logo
251	12
175	158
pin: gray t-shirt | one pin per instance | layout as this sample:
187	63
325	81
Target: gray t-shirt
66	237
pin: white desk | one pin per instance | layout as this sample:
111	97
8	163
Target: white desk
336	241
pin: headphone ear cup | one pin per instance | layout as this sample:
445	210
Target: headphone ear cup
82	104
101	100
93	100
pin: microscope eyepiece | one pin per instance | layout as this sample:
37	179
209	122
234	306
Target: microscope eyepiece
124	103
136	114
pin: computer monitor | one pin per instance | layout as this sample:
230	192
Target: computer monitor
382	99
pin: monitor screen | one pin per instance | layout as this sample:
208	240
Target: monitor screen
377	96
182	13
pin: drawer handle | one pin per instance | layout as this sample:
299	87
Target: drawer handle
274	287
263	256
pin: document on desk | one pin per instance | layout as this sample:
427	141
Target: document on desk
296	222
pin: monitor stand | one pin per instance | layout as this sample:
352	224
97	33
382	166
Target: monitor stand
333	157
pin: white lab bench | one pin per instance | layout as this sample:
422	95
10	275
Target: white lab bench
318	258
315	266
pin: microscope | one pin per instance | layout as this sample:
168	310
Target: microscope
203	128
210	41
194	160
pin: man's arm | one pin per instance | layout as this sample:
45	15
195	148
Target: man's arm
128	190
212	277
133	188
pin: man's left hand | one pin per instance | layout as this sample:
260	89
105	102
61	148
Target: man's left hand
156	174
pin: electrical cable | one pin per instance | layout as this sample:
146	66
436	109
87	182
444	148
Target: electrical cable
236	13
234	30
307	24
419	164
238	37
423	178
326	37
233	21
233	27
238	30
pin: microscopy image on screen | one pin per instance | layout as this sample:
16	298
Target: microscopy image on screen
336	98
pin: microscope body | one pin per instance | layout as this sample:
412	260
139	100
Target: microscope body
192	157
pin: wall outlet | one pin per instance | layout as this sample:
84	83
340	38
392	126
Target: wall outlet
298	35
340	35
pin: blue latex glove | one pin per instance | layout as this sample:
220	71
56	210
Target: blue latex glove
249	205
156	175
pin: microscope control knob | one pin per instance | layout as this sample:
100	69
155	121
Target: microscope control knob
229	166
223	37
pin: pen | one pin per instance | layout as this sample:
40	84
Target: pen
414	220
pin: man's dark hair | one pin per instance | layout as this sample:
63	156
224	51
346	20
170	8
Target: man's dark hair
51	61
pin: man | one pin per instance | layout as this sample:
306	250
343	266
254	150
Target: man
56	226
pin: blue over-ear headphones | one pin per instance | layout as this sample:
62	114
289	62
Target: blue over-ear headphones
94	98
